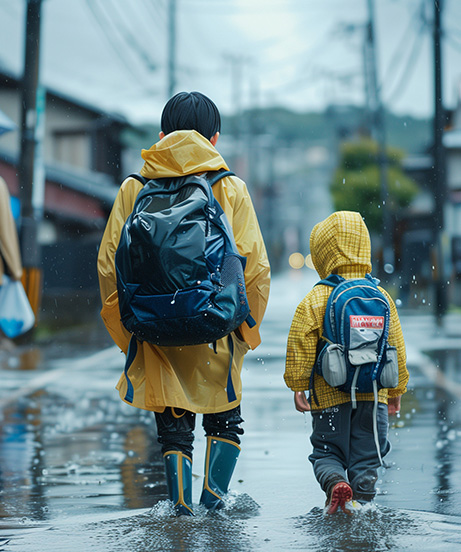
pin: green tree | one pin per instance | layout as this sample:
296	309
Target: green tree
356	182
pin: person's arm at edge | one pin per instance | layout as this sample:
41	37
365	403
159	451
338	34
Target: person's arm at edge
9	241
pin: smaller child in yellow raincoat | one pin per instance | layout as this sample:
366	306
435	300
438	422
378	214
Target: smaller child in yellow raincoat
345	458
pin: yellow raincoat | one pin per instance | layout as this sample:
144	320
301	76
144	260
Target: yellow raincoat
9	244
339	245
194	377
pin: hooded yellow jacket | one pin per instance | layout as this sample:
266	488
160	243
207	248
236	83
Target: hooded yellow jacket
340	245
195	377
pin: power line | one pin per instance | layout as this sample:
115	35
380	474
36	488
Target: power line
157	12
409	67
110	38
454	41
397	56
231	6
153	23
130	38
453	31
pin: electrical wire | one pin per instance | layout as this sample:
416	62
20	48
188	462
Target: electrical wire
153	24
397	56
454	41
121	54
120	20
281	5
157	11
410	65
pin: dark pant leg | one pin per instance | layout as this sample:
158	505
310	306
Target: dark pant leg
224	424
330	442
364	460
175	430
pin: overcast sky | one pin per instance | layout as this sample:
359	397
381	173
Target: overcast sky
302	54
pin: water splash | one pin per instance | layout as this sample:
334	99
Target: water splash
370	528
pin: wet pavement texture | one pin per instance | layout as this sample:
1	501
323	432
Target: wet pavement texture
80	470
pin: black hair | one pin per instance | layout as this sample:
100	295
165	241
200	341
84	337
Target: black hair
191	111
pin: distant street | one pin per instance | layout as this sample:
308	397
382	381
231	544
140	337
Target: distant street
80	470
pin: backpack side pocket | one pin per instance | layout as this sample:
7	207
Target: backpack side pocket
333	365
389	377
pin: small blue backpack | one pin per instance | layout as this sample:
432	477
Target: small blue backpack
354	355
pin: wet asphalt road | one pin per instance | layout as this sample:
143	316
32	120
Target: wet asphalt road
80	470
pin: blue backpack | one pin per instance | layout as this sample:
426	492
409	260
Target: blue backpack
180	278
354	355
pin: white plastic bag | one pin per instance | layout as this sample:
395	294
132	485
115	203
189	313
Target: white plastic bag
16	314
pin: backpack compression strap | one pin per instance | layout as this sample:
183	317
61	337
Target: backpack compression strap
130	356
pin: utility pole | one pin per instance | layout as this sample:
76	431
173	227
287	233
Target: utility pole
30	248
171	48
439	166
236	62
379	132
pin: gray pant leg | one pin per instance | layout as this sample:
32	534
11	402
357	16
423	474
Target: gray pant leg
330	442
363	459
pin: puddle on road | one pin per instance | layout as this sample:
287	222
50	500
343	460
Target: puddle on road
62	456
377	528
156	529
79	470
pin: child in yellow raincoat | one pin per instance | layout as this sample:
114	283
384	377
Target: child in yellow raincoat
345	457
178	382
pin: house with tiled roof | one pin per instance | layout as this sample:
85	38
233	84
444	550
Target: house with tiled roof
83	155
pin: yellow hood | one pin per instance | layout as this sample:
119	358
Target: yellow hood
179	153
340	244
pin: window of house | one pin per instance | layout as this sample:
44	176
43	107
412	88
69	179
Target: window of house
72	148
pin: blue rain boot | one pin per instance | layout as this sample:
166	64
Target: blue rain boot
178	469
220	460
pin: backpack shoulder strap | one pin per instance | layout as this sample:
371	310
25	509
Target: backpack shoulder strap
215	176
138	177
372	279
212	176
332	280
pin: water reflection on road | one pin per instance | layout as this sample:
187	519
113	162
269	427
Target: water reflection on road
82	471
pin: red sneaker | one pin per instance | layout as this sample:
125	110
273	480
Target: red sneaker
340	494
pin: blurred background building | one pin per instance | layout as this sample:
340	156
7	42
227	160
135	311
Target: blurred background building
325	107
